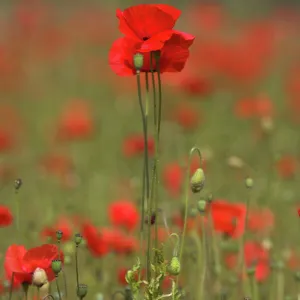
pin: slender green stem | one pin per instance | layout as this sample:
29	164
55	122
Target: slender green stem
204	264
57	287
63	272
11	285
187	192
280	285
145	195
254	288
76	266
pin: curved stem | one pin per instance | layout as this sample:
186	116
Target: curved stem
175	252
202	285
187	186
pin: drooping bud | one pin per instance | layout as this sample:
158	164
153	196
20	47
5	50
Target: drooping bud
201	206
197	181
174	266
56	266
249	183
138	61
78	239
82	290
39	277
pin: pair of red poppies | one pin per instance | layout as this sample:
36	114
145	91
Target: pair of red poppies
148	28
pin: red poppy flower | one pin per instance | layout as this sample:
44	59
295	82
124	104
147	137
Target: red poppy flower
150	25
134	145
228	218
286	166
95	242
62	224
173	55
172	178
186	116
76	122
254	255
23	263
124	213
6	217
125	244
57	164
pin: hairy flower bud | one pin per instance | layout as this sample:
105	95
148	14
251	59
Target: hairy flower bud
197	181
249	183
174	266
56	266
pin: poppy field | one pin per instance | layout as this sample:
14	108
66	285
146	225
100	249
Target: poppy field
149	151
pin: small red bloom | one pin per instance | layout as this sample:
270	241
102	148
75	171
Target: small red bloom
134	145
173	55
95	241
186	116
6	217
62	224
23	263
286	166
259	220
255	255
172	178
150	25
124	213
228	217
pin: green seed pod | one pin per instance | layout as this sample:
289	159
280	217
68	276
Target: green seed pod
197	181
59	235
56	266
82	290
138	61
249	183
174	266
78	239
201	206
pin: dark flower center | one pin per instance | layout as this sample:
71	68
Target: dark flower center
145	38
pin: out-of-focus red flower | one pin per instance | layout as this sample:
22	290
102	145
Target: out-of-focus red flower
286	166
6	140
260	220
57	164
293	261
245	108
23	263
148	24
95	241
121	276
125	244
178	220
173	55
124	213
6	217
134	145
254	255
264	106
186	116
172	178
197	85
228	218
76	122
63	224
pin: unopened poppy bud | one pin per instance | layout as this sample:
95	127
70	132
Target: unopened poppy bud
59	235
192	212
39	277
78	239
18	183
249	183
56	266
174	266
197	181
82	290
201	206
138	61
297	276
